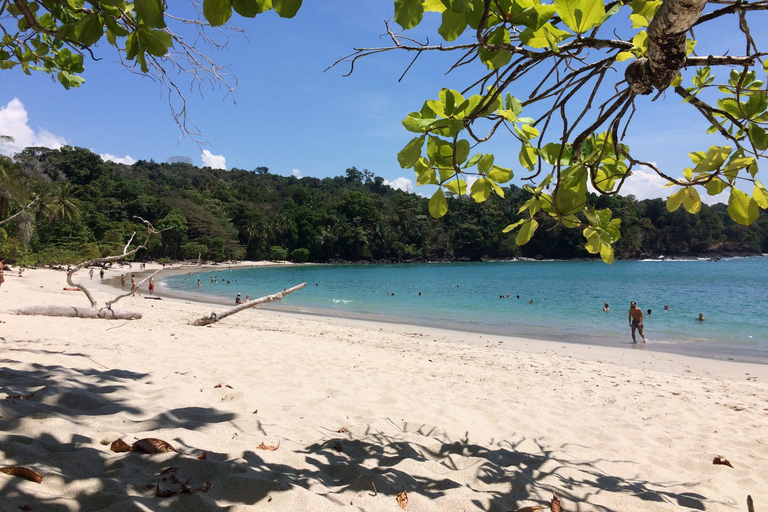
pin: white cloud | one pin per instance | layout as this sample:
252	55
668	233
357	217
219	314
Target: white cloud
214	161
646	184
127	160
401	183
296	173
13	122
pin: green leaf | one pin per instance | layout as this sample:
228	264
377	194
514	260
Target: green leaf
89	29
742	208
731	106
688	173
622	56
758	137
217	12
715	186
541	38
580	15
528	157
486	163
453	25
606	253
155	41
286	8
500	174
438	206
480	190
691	200
513	226
150	12
461	151
527	230
408	13
756	105
496	59
132	46
114	27
675	200
246	8
456	186
411	152
760	195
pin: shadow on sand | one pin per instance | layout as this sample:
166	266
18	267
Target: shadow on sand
342	468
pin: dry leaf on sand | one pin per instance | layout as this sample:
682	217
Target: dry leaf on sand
337	446
152	445
721	461
534	508
20	397
222	384
164	493
203	456
402	500
263	446
120	446
341	430
554	506
22	472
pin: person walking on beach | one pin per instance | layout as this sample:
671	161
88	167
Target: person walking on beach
2	277
122	281
151	286
636	320
101	273
90	273
133	282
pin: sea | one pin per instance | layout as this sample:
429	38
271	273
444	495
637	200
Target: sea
548	300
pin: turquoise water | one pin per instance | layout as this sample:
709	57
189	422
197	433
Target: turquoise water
567	298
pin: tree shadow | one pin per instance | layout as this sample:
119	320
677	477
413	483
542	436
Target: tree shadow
383	458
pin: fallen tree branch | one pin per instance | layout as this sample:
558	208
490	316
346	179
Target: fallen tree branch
74	312
216	317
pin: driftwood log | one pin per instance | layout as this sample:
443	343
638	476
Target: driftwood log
75	312
216	317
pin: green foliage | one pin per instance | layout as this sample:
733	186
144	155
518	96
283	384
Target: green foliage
46	32
277	253
223	215
300	255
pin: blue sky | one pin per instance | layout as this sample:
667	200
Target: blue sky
289	114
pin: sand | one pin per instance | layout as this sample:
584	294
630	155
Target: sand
361	411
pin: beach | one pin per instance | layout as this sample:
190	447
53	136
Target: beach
359	411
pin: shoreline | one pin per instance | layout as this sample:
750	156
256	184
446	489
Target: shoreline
358	412
706	350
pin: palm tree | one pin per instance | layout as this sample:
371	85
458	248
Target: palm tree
58	204
250	231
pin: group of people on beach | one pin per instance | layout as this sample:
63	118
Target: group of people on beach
636	318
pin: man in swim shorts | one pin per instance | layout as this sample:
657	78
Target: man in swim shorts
636	320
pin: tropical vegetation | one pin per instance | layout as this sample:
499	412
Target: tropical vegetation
83	207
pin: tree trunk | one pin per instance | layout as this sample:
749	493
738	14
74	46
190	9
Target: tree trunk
215	317
74	312
666	46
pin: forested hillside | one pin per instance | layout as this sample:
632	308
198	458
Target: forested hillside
87	207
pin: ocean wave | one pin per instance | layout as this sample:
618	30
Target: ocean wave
341	301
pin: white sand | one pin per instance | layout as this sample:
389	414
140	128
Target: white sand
460	421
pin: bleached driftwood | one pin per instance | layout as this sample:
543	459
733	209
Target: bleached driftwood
216	317
75	312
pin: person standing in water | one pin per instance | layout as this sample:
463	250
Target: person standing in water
636	320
